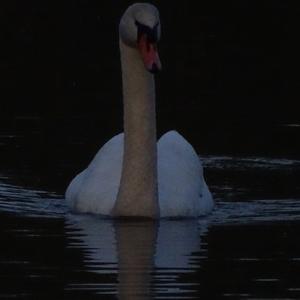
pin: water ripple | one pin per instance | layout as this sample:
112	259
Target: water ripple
28	202
230	162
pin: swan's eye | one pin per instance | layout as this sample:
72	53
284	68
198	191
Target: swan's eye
150	33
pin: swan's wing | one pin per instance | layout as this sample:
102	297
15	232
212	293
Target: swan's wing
95	189
182	188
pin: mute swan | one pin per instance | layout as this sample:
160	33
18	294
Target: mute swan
163	179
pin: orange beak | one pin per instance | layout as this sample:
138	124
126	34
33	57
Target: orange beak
149	54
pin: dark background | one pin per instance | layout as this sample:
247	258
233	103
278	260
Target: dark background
224	86
224	83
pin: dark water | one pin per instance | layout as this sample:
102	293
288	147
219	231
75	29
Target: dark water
248	248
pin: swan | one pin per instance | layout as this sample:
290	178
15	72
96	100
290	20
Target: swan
133	175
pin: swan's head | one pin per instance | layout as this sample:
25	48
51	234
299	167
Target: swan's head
140	28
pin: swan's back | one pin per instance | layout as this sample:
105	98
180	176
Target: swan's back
95	189
181	185
182	188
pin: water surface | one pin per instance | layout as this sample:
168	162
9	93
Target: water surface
246	249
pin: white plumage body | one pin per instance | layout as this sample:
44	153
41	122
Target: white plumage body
182	191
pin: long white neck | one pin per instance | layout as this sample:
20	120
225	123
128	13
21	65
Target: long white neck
138	194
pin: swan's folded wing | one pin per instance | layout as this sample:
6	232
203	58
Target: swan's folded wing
95	189
182	188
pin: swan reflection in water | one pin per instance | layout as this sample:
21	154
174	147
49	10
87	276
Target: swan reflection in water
146	256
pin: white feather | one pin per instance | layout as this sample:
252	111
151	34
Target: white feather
181	185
